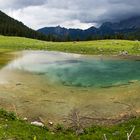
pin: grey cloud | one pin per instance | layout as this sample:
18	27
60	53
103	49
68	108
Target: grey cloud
17	4
29	2
119	10
98	10
70	12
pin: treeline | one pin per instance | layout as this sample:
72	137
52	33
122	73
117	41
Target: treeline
120	36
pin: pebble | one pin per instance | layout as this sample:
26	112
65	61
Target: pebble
51	123
25	119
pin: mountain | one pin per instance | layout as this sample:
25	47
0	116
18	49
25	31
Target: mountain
12	27
125	29
54	30
61	32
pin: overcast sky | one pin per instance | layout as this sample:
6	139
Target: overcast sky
69	13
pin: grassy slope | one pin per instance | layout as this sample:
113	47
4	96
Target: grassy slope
87	47
15	129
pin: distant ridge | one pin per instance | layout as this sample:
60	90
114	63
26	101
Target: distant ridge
125	29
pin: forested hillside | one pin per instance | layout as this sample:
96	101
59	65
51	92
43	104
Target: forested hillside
12	27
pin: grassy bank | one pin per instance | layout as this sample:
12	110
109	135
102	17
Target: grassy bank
106	47
13	128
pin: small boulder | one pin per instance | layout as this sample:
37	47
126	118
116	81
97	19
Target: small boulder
36	123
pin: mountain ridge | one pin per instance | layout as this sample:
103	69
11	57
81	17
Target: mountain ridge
125	27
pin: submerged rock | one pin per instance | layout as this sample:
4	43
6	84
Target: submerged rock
18	84
133	81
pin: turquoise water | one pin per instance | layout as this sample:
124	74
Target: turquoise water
77	70
95	72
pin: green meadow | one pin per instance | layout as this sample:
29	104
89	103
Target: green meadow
104	47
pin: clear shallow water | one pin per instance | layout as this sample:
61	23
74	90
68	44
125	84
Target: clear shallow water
77	70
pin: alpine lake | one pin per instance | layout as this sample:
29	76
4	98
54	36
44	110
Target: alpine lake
50	85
